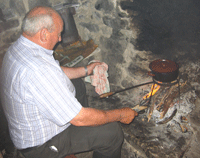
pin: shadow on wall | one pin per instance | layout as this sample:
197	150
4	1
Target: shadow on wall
165	26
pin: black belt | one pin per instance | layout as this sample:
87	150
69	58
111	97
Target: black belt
27	149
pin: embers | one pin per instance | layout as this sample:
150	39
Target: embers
161	98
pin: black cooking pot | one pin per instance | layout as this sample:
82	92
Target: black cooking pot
164	70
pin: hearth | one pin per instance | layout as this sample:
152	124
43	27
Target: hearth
163	128
129	35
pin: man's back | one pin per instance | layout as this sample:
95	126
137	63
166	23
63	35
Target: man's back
31	122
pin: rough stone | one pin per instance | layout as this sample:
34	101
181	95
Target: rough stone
96	16
11	37
19	7
33	3
136	70
90	27
9	25
4	48
105	5
8	13
115	23
106	31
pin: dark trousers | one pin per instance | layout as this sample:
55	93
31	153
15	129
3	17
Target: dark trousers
105	140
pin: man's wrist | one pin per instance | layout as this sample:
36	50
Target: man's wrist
86	71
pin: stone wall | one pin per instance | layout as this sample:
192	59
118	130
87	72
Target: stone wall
114	31
101	20
109	26
11	14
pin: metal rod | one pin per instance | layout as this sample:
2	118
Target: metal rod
134	87
112	93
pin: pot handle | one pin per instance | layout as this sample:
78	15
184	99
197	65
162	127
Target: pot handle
150	73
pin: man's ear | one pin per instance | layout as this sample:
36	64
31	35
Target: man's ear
43	35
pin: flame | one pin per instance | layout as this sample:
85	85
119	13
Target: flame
154	89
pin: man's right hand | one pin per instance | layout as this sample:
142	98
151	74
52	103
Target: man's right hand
95	117
127	115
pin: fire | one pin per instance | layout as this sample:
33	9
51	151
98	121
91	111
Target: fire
154	89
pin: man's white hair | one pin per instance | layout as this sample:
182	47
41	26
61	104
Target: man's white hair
32	24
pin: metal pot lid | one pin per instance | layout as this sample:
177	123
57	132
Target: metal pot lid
163	66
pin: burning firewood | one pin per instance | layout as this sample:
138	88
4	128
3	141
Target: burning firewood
165	96
152	107
184	129
184	119
138	108
154	89
170	99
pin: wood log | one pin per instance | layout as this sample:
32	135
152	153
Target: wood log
169	118
138	108
170	99
165	96
152	105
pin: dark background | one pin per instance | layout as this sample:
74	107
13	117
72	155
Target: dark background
166	27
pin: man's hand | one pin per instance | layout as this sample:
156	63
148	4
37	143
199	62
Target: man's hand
95	117
127	115
78	72
91	66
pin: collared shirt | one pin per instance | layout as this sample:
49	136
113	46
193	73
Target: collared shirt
37	97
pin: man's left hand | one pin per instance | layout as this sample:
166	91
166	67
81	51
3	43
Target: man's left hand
91	66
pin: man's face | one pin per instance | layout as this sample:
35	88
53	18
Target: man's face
55	36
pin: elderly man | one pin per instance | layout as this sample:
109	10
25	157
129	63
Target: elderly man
47	114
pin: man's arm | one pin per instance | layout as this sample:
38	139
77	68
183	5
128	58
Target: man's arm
95	117
78	72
